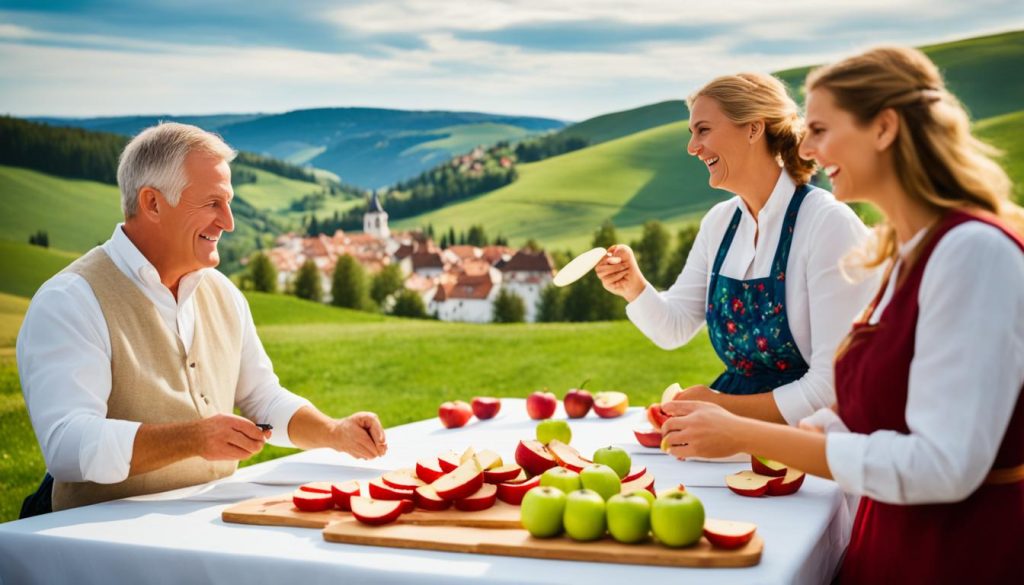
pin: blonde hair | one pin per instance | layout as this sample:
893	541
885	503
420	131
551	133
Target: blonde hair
156	158
749	97
939	161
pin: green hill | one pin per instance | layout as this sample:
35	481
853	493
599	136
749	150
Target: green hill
1007	133
24	267
619	124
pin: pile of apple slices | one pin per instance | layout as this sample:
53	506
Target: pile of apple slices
535	458
768	478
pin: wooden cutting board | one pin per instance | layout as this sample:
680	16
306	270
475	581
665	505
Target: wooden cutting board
518	543
279	511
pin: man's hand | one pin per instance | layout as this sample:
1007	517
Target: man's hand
360	435
226	437
620	274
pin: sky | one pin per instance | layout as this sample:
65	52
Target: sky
564	59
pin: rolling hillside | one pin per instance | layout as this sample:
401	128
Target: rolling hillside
1007	133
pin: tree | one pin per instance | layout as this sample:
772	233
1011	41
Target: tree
652	249
509	308
532	245
307	282
348	285
549	307
476	236
386	283
675	262
605	236
40	238
262	273
409	303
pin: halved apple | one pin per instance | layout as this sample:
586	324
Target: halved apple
308	501
317	487
502	474
429	470
567	456
748	483
426	497
534	457
379	490
634	472
342	494
648	437
791	482
656	416
644	482
610	404
402	479
766	466
460	483
482	499
728	533
449	461
512	492
376	512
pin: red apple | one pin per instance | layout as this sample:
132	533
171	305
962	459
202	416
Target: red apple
429	470
789	484
454	414
656	416
513	492
376	512
748	483
379	490
426	497
342	494
463	481
482	499
644	482
541	405
317	487
502	474
610	404
728	533
312	501
449	461
634	472
534	457
402	479
567	456
577	403
486	407
648	437
767	466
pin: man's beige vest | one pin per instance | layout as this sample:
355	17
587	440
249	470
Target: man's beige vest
154	379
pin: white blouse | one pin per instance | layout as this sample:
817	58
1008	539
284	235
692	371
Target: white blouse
821	302
965	378
63	353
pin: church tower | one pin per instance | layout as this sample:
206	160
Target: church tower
375	221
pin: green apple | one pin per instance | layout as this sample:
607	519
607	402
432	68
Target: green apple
542	510
643	493
553	429
584	515
602	479
561	478
677	519
629	517
615	458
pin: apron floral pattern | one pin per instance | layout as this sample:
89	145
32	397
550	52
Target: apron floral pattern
747	319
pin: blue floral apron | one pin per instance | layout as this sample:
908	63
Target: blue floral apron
747	318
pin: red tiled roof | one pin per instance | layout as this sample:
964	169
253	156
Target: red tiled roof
476	287
465	252
426	260
529	261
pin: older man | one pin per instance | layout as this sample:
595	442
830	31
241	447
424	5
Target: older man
133	358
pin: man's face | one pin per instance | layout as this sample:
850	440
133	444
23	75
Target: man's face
192	229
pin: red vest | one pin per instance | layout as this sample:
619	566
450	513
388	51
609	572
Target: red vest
978	540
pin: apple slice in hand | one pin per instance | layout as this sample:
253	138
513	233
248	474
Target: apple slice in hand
656	416
512	492
342	493
644	482
534	457
402	479
429	470
567	456
379	490
502	474
460	483
750	484
482	499
790	483
317	487
376	512
728	533
648	437
767	466
312	501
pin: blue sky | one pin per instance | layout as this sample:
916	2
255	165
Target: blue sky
557	58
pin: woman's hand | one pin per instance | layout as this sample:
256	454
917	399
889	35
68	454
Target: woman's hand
700	429
620	274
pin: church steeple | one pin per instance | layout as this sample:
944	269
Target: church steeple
375	222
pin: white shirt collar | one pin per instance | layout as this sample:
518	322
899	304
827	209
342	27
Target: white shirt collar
907	247
777	202
134	264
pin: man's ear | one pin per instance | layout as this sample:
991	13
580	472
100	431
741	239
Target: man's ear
151	203
886	127
756	131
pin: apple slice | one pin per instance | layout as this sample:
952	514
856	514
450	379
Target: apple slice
513	492
489	459
408	505
502	474
644	482
376	512
648	437
610	404
460	483
467	455
534	457
429	470
767	466
308	501
669	394
656	416
791	482
482	499
634	472
426	497
449	461
342	494
402	479
379	490
567	456
728	533
317	487
748	483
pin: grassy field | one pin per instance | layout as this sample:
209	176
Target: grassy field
23	267
1007	133
346	361
462	139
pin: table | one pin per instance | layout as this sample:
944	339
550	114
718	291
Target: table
178	537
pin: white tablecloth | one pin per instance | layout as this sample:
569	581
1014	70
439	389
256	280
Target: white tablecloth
178	537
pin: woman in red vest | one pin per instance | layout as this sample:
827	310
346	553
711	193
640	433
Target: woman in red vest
927	427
